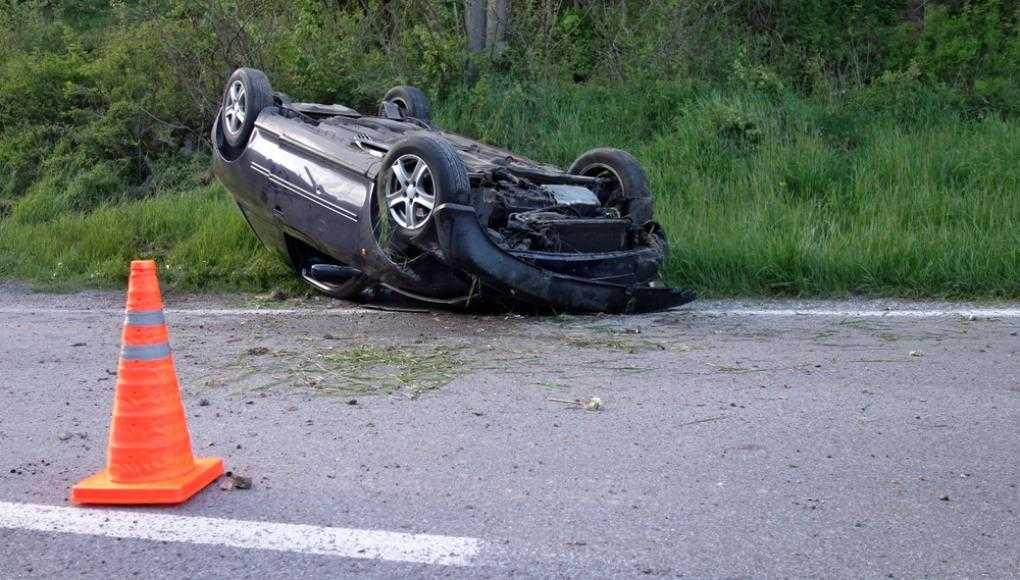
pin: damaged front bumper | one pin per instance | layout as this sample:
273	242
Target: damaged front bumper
466	246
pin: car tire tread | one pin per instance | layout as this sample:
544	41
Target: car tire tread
636	200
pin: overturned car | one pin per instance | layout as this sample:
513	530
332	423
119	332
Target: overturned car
356	201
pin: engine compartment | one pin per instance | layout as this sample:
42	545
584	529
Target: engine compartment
524	216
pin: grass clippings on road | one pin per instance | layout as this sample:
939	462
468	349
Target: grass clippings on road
367	370
629	346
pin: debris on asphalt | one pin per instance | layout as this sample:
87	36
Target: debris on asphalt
944	498
79	344
258	350
352	402
916	353
593	404
367	370
233	481
203	402
65	436
705	420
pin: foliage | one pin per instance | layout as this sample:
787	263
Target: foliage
974	47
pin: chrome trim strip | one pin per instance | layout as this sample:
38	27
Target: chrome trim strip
342	212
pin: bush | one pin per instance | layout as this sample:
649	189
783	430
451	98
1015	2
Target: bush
974	47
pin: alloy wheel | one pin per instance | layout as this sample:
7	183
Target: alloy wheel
234	107
410	192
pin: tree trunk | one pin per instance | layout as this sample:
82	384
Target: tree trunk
495	26
474	21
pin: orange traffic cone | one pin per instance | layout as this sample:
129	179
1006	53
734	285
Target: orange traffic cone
149	458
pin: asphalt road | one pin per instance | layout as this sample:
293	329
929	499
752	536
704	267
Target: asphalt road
849	442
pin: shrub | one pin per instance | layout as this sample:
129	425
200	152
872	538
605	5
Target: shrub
974	46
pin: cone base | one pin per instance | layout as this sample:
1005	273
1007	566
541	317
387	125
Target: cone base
98	489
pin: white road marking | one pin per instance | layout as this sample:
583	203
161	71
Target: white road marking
253	535
206	311
274	312
848	313
776	312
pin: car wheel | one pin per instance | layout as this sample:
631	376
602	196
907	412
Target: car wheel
246	94
626	185
411	101
419	174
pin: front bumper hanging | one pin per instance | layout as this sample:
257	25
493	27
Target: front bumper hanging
466	246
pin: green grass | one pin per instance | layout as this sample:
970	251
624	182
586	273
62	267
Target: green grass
877	193
362	370
765	195
198	237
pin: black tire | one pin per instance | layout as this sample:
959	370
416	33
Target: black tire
447	182
238	114
411	101
628	188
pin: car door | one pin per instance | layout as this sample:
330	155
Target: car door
318	184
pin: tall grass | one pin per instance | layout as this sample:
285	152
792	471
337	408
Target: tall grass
198	236
762	194
780	195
